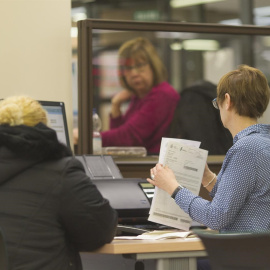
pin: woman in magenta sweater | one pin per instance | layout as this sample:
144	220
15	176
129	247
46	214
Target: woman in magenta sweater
152	99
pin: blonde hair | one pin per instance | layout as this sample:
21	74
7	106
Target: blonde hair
248	89
141	49
22	110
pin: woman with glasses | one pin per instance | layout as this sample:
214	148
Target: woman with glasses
152	100
241	190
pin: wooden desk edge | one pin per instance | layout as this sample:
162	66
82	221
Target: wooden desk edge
215	159
150	246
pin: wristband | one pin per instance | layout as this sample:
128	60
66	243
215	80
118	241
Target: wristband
176	191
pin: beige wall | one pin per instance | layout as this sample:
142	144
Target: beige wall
35	50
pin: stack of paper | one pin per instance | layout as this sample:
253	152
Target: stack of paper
159	235
187	161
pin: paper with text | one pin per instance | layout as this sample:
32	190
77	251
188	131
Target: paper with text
187	162
164	146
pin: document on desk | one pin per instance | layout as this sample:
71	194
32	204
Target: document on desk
187	161
159	235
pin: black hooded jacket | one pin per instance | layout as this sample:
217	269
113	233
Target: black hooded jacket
196	119
49	208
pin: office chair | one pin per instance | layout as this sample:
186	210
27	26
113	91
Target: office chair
237	251
3	253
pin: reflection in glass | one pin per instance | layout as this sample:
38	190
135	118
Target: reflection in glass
151	99
185	66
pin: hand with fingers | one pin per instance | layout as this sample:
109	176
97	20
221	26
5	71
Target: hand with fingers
164	178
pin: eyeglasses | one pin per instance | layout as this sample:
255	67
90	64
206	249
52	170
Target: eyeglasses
215	103
139	67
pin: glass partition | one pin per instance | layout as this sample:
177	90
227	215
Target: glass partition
191	53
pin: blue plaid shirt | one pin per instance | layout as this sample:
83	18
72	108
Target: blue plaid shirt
241	195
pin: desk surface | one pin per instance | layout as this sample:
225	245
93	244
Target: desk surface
150	246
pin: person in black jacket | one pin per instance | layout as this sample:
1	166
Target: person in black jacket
196	119
49	208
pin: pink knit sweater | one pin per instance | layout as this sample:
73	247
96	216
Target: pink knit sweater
146	120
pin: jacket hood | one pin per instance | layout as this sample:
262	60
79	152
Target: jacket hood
204	88
21	147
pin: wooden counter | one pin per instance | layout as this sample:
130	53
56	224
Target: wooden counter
139	167
149	246
173	254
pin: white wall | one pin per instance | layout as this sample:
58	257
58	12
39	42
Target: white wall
35	50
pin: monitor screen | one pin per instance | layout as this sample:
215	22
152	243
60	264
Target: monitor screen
57	119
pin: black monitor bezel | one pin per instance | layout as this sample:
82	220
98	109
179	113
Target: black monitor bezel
62	105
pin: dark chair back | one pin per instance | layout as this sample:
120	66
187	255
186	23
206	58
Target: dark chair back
243	251
3	253
196	119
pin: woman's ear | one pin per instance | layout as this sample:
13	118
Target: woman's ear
227	102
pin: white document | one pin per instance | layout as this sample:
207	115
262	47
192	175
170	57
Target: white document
159	235
187	162
164	146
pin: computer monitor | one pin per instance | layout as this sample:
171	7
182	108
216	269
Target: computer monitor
57	119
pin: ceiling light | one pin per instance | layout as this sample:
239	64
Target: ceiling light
262	11
266	41
176	45
185	3
79	16
231	22
200	45
74	32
